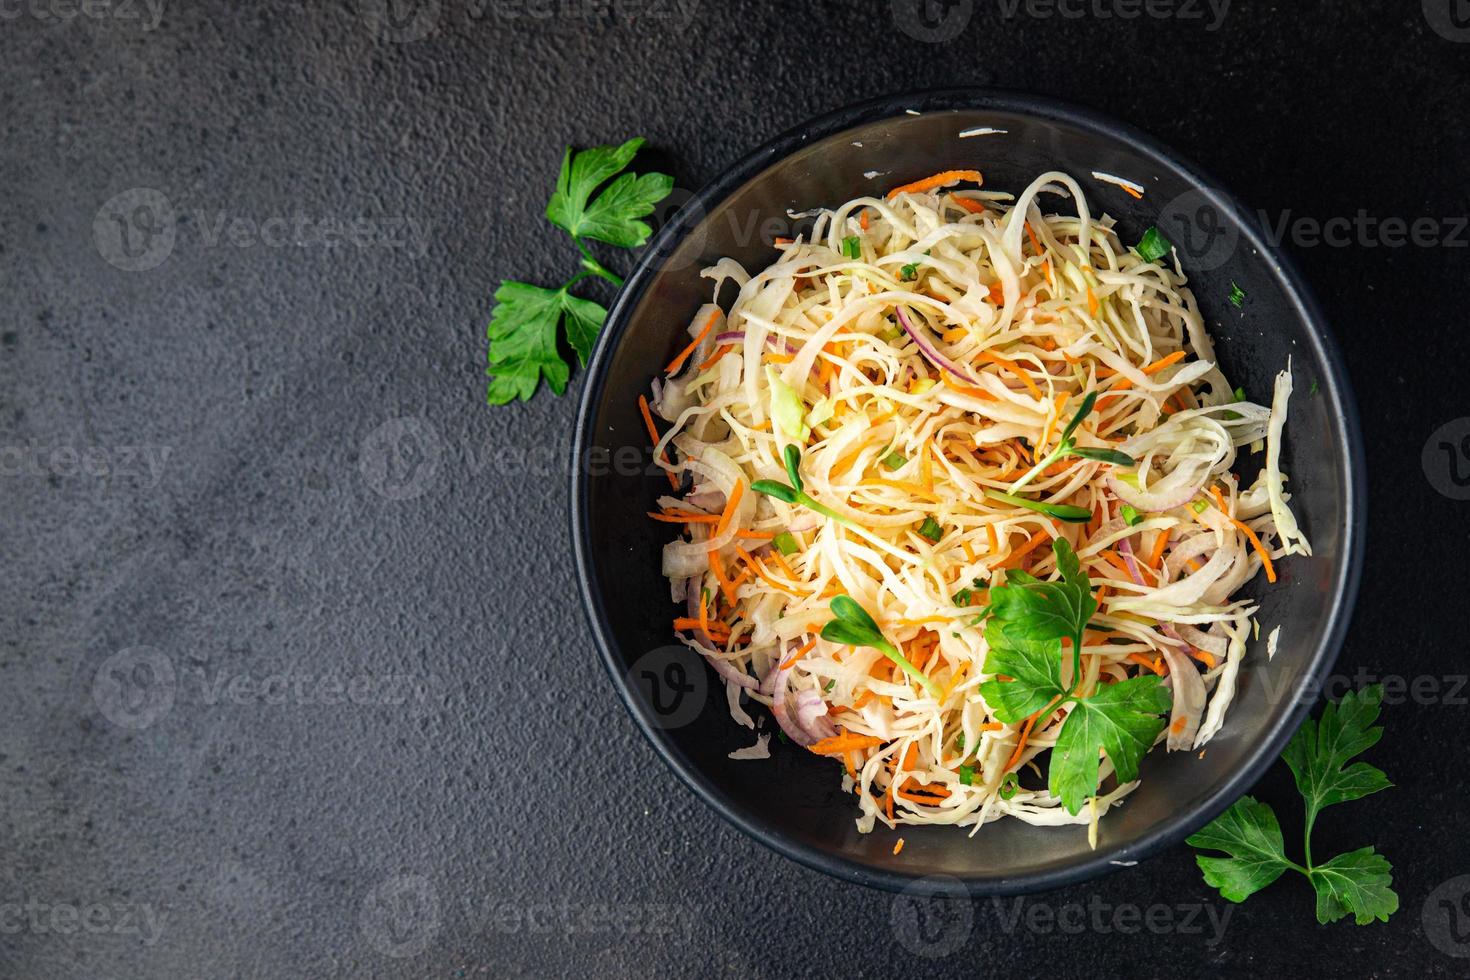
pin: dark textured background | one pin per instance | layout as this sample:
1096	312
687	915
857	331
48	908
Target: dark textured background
497	813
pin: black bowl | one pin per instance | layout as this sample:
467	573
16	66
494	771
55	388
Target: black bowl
792	801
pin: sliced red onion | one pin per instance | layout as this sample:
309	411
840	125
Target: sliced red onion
781	707
1155	501
1126	550
1189	699
729	671
811	714
931	354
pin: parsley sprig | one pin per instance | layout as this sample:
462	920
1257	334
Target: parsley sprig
527	319
1358	883
854	627
1028	620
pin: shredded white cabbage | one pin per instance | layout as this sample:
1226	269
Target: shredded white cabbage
941	362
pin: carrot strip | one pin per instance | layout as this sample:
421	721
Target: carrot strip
762	574
726	586
780	358
1012	367
1139	658
715	357
1157	555
730	505
669	518
845	742
1021	744
1035	242
1056	417
799	654
1026	548
863	219
678	362
991	726
710	629
969	204
898	847
1091	301
1204	657
994	539
1250	535
653	434
938	180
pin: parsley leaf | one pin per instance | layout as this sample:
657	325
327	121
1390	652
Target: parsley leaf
1358	883
1029	619
612	217
1317	753
526	324
523	335
1249	833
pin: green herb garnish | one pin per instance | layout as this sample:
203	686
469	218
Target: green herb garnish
852	247
1359	882
1239	394
1237	295
967	775
930	529
1153	246
1199	506
1062	512
1029	619
1066	446
1131	515
527	320
854	627
895	460
785	543
909	272
794	494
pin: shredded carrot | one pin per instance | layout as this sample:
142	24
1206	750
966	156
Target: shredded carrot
926	471
726	586
1250	535
780	358
898	847
1021	744
1179	724
1153	368
847	764
845	742
1154	666
926	621
925	799
991	726
1157	555
994	540
953	336
1012	367
1204	656
730	506
964	389
791	574
969	204
756	536
799	654
938	180
954	682
1056	417
998	294
762	574
1026	548
1091	301
784	241
653	434
969	552
1035	242
863	219
713	630
1137	195
704	611
678	517
678	362
714	358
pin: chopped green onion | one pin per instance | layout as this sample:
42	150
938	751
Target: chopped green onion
909	272
784	543
1131	515
1153	246
895	460
1239	394
1313	389
963	597
1199	506
967	775
852	247
891	334
1009	785
1237	295
959	741
830	684
930	529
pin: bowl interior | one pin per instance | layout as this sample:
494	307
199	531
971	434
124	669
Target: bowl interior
793	800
